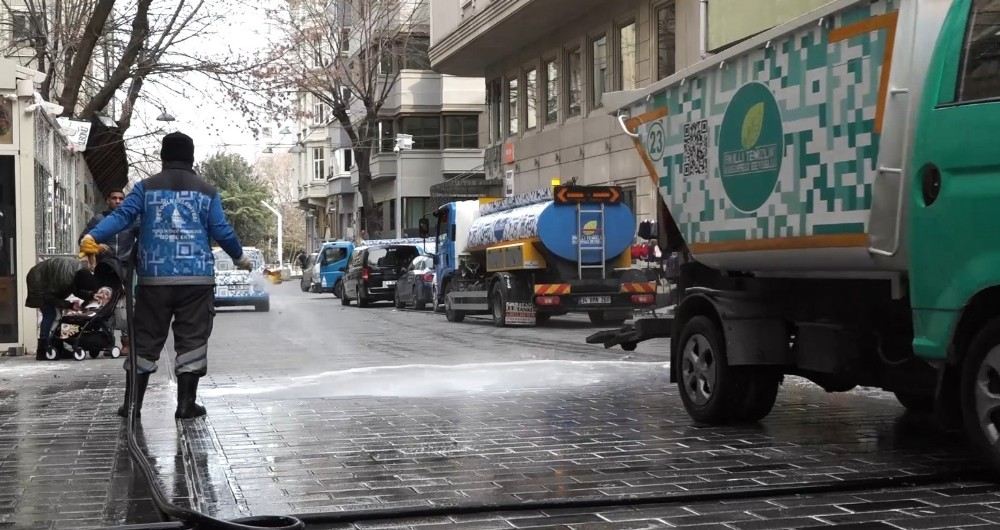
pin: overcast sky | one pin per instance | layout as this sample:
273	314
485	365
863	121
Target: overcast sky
211	120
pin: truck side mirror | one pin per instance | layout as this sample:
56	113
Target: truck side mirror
647	229
424	227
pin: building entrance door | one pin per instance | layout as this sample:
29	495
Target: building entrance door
8	252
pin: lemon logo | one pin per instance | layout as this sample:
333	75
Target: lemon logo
751	147
752	124
590	228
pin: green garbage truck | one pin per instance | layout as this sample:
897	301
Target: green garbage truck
832	187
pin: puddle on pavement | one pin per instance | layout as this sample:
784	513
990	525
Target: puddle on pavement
425	380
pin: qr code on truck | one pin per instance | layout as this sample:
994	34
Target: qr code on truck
695	148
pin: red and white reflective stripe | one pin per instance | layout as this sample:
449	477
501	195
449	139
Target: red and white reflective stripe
546	289
639	287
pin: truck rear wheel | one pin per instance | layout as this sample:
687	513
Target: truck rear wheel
498	304
713	392
980	392
453	315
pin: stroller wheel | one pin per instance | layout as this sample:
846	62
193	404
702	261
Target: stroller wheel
116	352
79	354
51	354
94	354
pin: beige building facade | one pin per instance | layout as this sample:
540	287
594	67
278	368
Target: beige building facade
547	64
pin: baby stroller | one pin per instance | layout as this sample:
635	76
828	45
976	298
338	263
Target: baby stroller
90	331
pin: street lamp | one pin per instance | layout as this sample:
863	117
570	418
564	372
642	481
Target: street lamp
404	142
280	230
165	116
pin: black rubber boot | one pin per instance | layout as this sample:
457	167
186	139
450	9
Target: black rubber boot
187	391
40	349
141	382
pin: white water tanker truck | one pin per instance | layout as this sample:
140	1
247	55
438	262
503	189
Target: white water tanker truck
526	258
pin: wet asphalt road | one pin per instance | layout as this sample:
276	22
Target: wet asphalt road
315	407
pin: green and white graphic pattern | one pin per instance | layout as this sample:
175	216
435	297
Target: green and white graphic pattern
827	94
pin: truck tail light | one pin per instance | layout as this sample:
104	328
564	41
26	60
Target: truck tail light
364	273
428	277
548	300
643	299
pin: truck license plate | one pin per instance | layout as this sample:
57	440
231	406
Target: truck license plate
595	300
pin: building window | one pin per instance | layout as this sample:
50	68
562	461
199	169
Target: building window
461	132
666	40
979	76
414	209
20	28
319	112
512	108
574	77
531	98
628	197
415	56
599	49
386	63
551	91
319	164
392	214
626	57
345	40
426	131
348	159
387	136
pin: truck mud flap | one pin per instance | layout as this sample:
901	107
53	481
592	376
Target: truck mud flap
629	335
520	314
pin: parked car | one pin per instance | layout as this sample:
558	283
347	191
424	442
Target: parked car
334	256
309	281
235	287
415	286
373	272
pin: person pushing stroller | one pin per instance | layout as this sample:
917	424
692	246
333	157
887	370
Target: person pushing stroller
179	214
50	283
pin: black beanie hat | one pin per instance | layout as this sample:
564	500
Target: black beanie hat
177	147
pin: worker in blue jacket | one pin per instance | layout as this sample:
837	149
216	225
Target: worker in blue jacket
179	215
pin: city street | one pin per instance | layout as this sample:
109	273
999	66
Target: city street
315	407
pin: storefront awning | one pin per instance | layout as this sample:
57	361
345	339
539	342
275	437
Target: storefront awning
106	157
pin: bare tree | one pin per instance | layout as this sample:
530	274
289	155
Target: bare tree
347	54
95	53
276	171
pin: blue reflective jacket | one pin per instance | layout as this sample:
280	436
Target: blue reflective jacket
179	215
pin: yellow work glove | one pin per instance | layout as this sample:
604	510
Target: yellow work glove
89	247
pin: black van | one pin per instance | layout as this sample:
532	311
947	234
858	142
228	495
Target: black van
373	272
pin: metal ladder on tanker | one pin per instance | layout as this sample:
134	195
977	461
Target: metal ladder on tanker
580	248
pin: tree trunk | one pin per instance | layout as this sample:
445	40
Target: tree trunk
372	217
84	52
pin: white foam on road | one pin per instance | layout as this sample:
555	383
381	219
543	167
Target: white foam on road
428	380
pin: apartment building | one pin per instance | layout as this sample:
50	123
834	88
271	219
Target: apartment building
548	63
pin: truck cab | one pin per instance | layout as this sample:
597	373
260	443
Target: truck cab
449	238
332	261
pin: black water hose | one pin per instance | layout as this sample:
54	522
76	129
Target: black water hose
163	504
